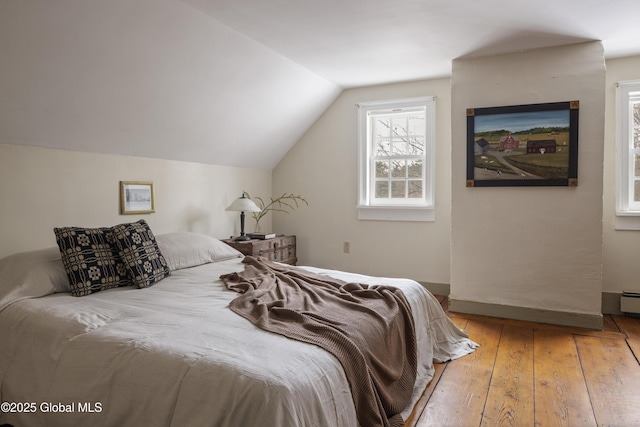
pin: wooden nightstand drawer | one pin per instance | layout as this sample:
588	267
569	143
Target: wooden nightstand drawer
280	248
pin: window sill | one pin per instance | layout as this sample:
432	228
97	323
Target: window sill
627	221
396	213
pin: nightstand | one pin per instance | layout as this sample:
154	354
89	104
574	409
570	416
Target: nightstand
280	248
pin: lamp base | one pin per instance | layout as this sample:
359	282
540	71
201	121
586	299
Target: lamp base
242	238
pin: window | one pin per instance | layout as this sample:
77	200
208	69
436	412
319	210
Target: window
396	148
628	147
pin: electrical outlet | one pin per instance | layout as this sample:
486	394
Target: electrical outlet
346	247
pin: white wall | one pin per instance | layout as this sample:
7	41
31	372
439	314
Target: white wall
535	247
621	247
43	188
322	167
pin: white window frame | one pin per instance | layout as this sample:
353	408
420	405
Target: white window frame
407	210
627	210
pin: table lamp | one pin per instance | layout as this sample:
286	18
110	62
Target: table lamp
242	205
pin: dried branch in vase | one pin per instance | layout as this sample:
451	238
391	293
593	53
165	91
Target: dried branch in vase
286	203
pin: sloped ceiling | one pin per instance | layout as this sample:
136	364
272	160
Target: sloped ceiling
237	82
153	78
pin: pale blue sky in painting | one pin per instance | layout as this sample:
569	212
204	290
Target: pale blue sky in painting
515	122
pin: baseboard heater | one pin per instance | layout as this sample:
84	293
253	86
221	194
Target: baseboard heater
630	302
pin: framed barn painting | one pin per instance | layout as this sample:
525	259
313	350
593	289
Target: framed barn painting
523	145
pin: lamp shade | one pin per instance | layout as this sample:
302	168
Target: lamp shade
242	204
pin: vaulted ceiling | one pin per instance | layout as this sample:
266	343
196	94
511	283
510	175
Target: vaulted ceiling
237	82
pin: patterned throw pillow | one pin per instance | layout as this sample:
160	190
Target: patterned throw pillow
89	259
139	250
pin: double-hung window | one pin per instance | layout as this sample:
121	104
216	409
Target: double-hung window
628	156
396	156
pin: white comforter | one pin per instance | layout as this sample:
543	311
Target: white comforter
175	355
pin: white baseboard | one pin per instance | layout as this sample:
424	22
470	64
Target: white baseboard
579	320
437	288
610	305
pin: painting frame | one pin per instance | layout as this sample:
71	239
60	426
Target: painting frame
494	151
137	197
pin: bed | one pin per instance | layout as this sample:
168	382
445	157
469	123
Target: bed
173	353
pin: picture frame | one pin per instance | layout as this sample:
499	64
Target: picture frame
136	197
523	145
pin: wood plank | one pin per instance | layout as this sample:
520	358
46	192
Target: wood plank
461	323
631	328
510	399
561	396
461	393
422	402
612	374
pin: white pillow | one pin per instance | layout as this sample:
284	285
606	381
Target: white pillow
184	250
31	274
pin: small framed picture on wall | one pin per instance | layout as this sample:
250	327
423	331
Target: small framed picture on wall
136	197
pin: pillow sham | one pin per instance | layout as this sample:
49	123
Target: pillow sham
138	248
185	249
31	274
90	260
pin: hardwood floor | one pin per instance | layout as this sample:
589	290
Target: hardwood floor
532	374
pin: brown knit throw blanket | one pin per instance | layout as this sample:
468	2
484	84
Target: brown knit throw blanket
369	329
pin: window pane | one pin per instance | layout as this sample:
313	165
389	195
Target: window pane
399	147
383	127
382	189
400	126
382	169
636	191
398	189
416	146
416	124
399	169
636	138
637	165
636	114
415	189
383	147
415	169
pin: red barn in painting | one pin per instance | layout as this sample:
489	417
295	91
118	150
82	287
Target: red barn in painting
509	142
545	146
